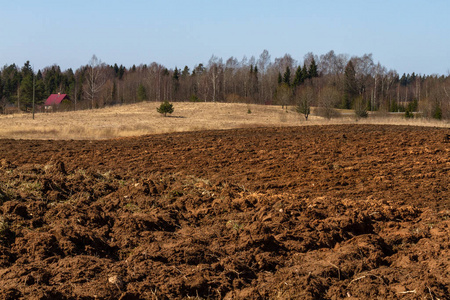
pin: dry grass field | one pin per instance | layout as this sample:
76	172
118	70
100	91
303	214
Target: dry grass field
142	119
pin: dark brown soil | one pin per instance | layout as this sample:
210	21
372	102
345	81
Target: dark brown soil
320	212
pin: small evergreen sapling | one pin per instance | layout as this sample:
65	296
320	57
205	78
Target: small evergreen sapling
142	93
360	108
165	108
408	114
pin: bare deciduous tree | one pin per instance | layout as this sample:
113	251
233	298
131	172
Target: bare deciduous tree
309	57
256	80
264	61
95	78
283	95
215	69
264	81
305	98
285	62
328	100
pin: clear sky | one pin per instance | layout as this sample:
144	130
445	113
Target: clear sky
407	36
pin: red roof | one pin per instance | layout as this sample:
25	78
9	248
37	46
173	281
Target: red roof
55	99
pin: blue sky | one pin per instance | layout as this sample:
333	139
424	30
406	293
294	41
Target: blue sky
408	36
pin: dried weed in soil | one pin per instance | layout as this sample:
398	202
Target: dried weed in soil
326	212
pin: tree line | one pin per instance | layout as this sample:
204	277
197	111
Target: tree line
328	82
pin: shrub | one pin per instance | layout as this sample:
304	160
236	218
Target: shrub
327	112
304	98
360	109
304	108
437	113
413	106
328	100
194	98
141	93
408	114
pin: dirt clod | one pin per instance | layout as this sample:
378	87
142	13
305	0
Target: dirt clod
318	212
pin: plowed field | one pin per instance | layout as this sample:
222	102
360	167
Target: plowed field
318	212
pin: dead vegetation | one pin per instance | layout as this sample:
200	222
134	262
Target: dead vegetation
141	119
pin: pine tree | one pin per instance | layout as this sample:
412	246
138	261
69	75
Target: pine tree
68	83
26	69
121	71
10	81
437	112
185	72
350	86
26	91
280	79
114	92
165	108
176	74
52	80
116	70
298	79
39	91
287	77
313	69
305	73
26	86
253	81
404	80
141	93
175	80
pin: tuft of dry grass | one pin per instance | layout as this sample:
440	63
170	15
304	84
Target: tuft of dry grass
142	118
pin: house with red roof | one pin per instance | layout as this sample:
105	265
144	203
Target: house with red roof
54	100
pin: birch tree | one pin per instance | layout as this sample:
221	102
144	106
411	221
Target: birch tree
215	68
95	79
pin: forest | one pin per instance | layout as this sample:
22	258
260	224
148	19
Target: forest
328	82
